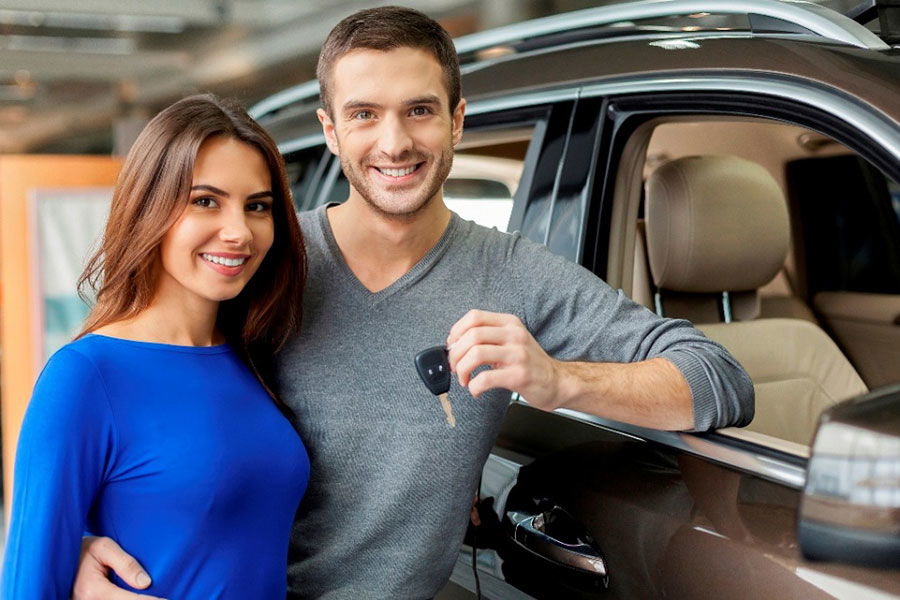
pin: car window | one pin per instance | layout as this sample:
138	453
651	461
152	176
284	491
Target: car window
848	224
304	171
894	190
826	309
484	201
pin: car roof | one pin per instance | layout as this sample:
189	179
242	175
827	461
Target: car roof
520	59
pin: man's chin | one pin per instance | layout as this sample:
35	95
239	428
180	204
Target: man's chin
399	209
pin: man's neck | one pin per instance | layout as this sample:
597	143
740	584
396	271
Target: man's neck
380	249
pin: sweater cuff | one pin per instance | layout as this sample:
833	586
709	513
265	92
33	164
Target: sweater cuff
702	394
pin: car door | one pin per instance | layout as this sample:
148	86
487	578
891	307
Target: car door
576	506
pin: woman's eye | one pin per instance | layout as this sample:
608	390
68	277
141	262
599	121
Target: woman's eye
259	207
205	201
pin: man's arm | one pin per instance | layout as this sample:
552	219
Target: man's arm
648	393
99	555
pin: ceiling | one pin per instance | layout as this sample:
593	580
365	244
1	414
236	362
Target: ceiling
76	75
84	76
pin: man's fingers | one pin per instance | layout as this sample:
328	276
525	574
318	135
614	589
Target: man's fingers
473	337
108	553
492	356
103	589
91	581
509	378
477	318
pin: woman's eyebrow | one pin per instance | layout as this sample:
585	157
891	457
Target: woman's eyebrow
211	188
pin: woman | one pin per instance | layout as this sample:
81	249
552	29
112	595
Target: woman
157	425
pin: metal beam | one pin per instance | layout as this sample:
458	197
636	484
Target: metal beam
54	66
254	13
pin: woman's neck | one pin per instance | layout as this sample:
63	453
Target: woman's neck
164	323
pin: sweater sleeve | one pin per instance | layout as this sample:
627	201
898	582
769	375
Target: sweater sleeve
575	315
65	448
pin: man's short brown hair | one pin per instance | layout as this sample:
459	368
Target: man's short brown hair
387	28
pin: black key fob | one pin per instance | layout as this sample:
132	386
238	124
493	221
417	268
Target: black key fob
434	369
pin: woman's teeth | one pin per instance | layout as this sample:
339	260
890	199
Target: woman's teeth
220	260
398	172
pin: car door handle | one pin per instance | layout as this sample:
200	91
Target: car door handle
530	533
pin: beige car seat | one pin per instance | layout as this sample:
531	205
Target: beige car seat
717	230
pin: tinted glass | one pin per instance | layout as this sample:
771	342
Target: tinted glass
304	171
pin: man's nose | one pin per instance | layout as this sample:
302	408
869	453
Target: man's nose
234	228
394	139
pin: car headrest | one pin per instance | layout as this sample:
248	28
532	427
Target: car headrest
714	224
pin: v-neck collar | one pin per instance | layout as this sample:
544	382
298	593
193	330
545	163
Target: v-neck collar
413	274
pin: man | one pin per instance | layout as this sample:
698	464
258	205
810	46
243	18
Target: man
393	271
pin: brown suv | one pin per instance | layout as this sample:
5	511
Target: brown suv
733	162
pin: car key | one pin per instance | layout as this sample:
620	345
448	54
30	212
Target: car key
434	370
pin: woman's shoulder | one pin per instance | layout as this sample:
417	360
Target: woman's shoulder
71	381
77	353
88	349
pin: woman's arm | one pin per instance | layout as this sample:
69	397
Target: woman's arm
65	450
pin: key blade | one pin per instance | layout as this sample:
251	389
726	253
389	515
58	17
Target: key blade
448	409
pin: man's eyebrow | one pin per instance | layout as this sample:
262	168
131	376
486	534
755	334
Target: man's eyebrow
418	100
211	188
357	104
426	99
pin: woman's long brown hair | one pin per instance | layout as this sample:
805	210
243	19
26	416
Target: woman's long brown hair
152	191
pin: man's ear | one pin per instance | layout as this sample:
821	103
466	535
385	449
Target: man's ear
459	115
328	130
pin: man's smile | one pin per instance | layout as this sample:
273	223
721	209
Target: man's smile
399	174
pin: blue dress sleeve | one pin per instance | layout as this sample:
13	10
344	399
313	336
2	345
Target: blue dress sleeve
65	452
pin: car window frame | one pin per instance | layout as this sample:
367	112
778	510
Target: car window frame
730	97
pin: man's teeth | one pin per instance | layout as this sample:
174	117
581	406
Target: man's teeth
220	260
398	172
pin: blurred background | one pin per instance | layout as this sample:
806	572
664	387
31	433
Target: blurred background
83	77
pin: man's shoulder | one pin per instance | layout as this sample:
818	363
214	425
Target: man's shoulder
475	237
313	232
309	219
512	247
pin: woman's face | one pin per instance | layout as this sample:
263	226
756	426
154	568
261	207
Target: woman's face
220	239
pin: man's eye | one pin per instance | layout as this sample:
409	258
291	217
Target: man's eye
205	201
363	115
259	207
420	111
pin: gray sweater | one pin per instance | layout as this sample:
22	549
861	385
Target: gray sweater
391	482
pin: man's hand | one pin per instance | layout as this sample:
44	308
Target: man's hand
98	555
517	361
649	393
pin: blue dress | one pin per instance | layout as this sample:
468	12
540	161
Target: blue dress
176	452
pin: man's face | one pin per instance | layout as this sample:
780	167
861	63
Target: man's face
392	128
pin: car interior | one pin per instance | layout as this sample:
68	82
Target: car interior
722	239
733	224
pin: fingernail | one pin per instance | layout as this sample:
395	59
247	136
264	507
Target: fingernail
143	579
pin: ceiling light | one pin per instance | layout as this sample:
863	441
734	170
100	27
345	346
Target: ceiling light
85	45
97	22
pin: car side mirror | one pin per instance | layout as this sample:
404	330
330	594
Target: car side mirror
850	509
